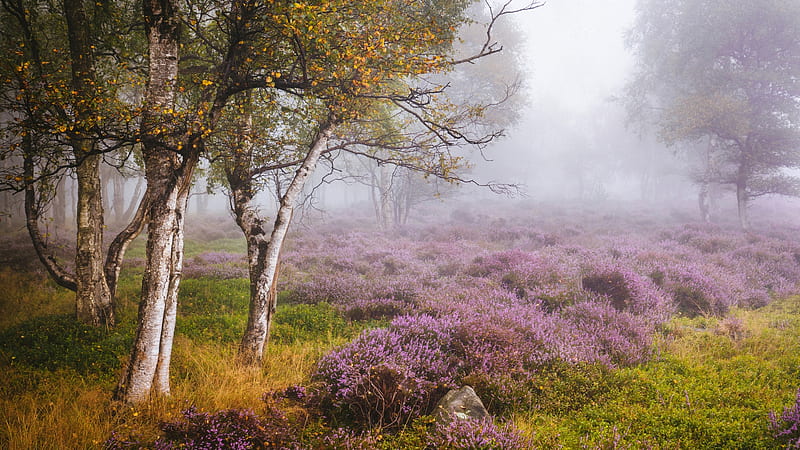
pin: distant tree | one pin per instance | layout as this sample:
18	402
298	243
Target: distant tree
725	72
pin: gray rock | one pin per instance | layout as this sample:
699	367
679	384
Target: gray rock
459	404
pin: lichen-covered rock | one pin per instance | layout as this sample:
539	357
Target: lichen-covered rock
460	404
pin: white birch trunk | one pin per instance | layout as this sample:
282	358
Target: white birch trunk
162	385
93	297
262	308
165	177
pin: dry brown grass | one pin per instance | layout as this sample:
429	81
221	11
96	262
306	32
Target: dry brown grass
67	411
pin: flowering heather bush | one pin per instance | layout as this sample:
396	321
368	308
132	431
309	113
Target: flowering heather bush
619	337
379	308
477	435
786	428
220	265
231	429
627	290
387	376
499	304
548	277
344	439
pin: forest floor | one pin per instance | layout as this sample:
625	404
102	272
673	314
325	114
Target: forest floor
707	380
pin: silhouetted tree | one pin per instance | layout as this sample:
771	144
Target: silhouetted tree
724	71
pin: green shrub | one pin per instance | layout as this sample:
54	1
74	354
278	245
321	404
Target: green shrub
212	297
220	328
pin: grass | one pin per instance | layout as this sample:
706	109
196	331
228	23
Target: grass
29	295
711	386
56	387
192	247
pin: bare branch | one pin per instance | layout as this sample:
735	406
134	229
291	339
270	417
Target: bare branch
489	47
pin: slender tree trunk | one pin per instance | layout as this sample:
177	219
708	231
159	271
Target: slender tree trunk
56	271
60	207
94	304
166	176
253	226
134	201
140	376
117	248
161	385
119	197
385	179
374	191
147	373
742	196
264	263
742	200
262	286
703	203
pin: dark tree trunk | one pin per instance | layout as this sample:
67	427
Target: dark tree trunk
60	207
742	196
93	298
742	200
703	201
56	271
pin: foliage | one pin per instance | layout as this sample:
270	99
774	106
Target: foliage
386	377
301	322
723	74
583	374
210	296
709	389
234	429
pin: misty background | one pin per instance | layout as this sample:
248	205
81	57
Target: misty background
567	137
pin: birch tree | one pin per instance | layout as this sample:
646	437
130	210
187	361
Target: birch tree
371	102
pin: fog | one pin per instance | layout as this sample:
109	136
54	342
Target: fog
567	135
571	140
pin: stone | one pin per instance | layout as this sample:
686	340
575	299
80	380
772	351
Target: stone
460	404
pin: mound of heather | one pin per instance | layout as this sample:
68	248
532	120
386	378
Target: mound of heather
503	306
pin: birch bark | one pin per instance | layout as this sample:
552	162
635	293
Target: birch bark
166	174
264	254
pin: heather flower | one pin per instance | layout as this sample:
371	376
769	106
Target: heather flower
477	435
385	377
235	429
221	265
786	427
344	439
